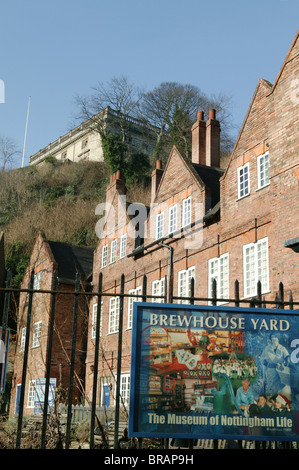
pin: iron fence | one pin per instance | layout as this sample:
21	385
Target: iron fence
96	425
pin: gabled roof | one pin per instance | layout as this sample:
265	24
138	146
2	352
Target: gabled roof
268	86
285	62
70	260
210	177
205	176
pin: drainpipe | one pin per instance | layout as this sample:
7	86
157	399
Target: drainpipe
170	290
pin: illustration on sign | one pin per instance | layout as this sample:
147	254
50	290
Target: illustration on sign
214	371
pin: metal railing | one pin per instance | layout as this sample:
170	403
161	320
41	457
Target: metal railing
257	301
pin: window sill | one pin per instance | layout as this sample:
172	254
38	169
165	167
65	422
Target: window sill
243	197
262	187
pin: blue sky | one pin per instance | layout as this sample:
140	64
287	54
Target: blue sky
52	50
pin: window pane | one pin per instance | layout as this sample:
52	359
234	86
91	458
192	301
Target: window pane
187	211
113	251
123	246
104	255
243	181
172	219
159	225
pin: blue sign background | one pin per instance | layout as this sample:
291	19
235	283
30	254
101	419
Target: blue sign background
189	382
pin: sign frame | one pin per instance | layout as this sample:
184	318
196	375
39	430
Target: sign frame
210	427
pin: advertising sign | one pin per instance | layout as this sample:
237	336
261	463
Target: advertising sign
214	372
39	395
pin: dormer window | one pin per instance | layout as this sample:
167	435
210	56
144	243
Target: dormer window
263	170
243	181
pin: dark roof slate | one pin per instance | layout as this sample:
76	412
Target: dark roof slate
72	259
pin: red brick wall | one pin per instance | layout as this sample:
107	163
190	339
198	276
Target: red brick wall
42	259
271	124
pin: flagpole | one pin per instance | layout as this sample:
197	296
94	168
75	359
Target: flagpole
26	132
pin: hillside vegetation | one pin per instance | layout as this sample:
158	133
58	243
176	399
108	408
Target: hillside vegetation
57	199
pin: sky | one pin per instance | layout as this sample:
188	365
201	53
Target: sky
53	50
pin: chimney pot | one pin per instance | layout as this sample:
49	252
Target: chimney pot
159	164
212	114
200	116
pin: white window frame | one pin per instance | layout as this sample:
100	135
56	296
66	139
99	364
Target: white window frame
173	218
131	300
37	281
158	288
254	268
125	380
184	278
104	255
31	394
263	164
113	319
241	191
23	339
159	225
219	269
37	329
113	251
94	321
123	246
186	212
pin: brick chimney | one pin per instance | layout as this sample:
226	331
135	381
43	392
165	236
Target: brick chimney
212	140
156	178
199	140
206	140
117	184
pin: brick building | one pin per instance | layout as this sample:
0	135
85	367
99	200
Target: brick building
238	223
66	260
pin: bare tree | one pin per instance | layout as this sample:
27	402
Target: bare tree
172	108
8	151
119	94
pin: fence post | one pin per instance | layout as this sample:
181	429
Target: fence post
259	293
72	365
237	293
49	359
144	290
120	332
214	302
25	361
214	292
281	295
291	307
4	320
95	369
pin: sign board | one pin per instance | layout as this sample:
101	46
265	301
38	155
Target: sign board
214	372
39	395
4	344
